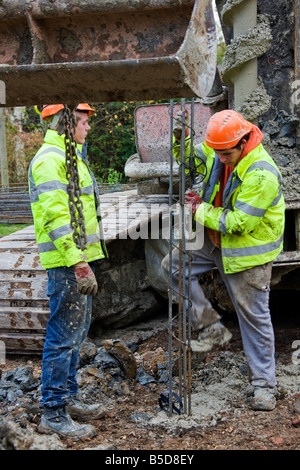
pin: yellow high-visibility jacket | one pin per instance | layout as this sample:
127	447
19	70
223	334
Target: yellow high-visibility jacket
50	206
251	221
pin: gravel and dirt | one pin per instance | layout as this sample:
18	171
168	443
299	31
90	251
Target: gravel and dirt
220	416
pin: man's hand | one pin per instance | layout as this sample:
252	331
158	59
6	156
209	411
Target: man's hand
194	200
178	125
86	280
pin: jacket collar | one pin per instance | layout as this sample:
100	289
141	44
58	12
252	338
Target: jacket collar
52	138
247	161
254	141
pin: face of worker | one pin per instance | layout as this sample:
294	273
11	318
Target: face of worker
230	157
82	127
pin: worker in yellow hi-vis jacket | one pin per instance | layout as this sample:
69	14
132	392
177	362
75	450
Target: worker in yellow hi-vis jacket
71	280
241	209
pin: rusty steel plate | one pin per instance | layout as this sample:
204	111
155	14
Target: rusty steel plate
100	50
152	129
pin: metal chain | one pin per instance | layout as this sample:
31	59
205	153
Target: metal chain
73	188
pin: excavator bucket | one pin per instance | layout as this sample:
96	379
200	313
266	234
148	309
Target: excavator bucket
105	50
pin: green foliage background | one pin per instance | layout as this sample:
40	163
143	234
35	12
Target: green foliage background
111	141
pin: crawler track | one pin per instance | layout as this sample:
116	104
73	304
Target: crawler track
24	308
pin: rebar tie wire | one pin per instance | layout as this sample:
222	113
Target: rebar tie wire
183	340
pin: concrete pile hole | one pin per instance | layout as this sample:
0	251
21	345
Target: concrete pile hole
111	372
112	368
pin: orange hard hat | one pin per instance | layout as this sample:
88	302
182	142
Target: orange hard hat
51	109
86	108
225	129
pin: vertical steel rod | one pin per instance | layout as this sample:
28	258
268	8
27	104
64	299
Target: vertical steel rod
189	359
184	267
182	336
170	256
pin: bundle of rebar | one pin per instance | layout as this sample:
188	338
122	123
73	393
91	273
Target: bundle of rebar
181	340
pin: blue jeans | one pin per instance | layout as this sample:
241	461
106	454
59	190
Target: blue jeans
67	328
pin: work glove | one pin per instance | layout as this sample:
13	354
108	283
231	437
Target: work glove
177	131
86	281
194	200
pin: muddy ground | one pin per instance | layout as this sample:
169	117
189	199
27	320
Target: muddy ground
220	416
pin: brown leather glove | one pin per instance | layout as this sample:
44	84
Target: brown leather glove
177	131
194	200
86	281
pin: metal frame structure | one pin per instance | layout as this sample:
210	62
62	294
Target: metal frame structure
182	340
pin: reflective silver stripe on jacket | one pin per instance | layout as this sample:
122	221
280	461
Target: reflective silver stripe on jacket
44	152
34	194
251	250
277	198
262	165
222	221
48	150
36	190
255	211
49	246
248	209
60	232
243	206
46	246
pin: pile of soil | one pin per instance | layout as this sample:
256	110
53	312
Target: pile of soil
220	416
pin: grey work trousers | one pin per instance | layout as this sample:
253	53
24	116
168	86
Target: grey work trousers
249	293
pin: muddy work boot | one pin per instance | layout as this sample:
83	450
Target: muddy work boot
213	336
264	399
57	420
82	412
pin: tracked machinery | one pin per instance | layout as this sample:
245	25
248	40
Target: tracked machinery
113	50
94	51
260	78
